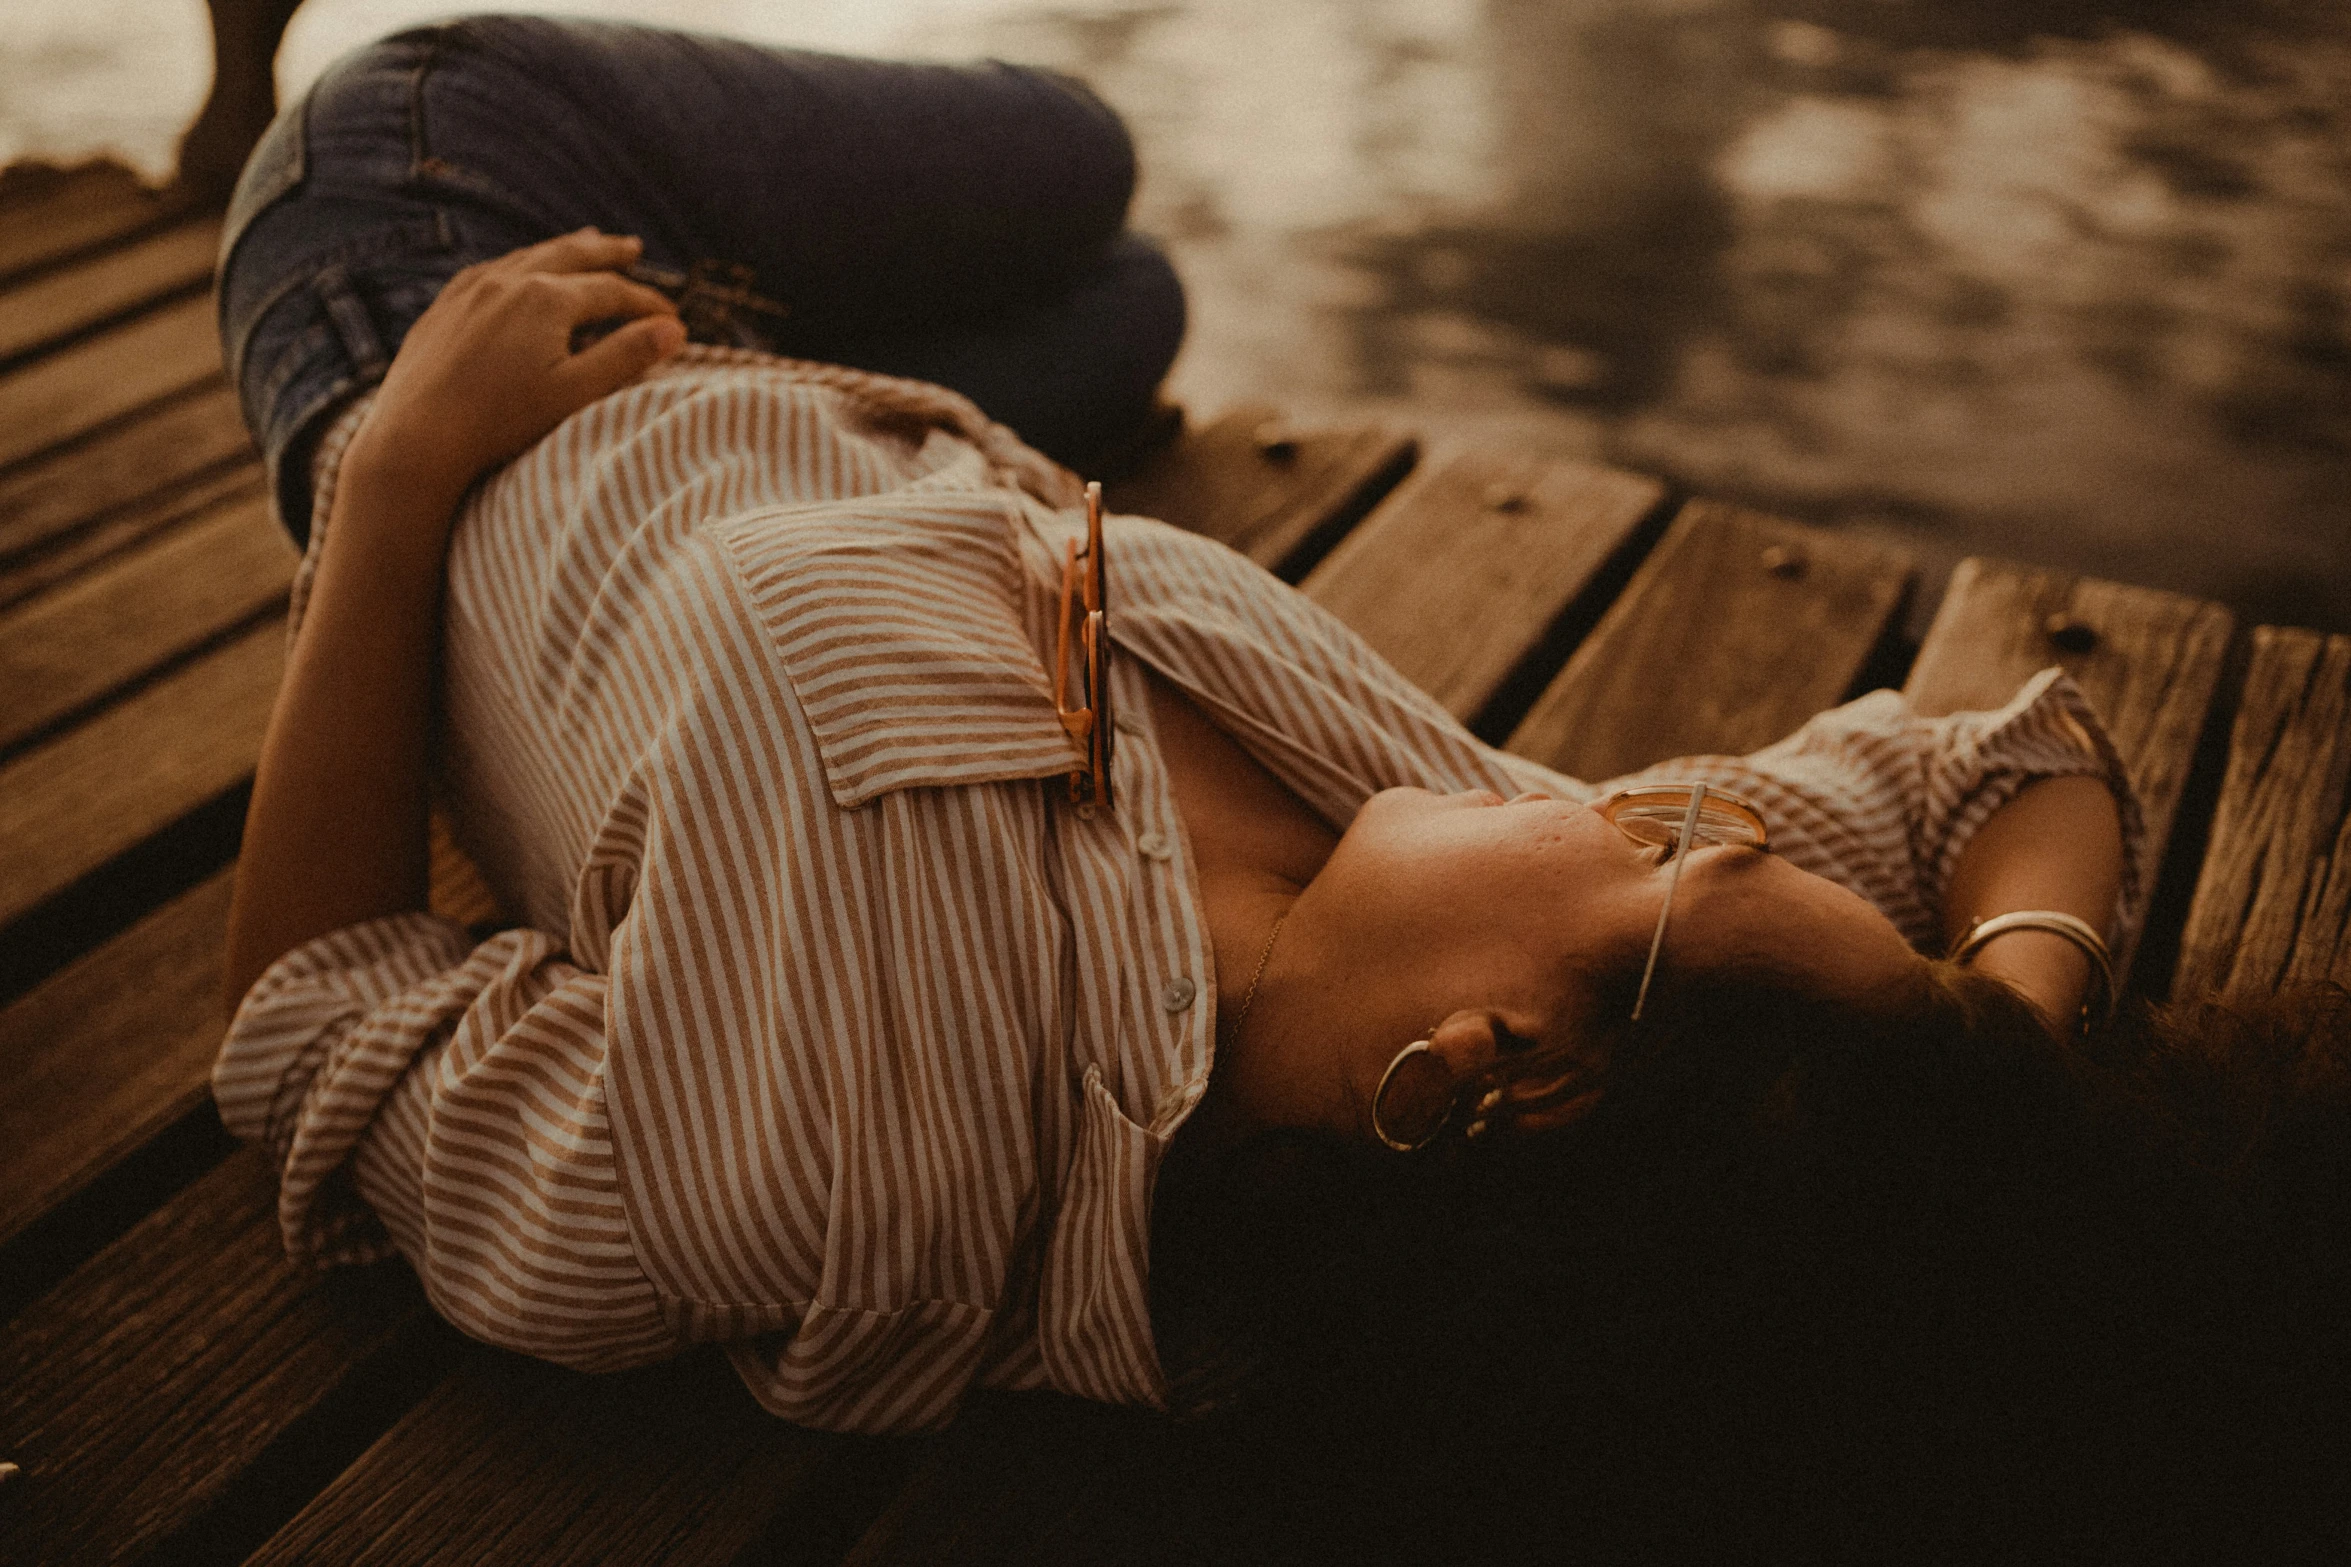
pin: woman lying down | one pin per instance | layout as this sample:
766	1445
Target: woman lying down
926	980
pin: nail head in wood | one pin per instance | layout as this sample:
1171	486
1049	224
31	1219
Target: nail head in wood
1784	561
1275	443
2069	634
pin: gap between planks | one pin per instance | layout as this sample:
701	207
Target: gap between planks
143	1390
123	776
70	648
2273	904
136	468
1522	539
73	300
1737	629
1279	494
2149	662
84	387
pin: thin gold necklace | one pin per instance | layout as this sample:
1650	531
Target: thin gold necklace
1249	997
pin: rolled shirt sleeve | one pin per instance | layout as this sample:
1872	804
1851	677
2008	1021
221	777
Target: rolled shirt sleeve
1875	797
422	1093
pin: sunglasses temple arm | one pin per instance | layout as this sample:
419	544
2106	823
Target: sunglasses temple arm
1672	886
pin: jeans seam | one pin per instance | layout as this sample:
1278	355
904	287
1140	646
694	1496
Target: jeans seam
427	170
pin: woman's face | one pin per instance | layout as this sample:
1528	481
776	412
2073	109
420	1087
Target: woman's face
1539	910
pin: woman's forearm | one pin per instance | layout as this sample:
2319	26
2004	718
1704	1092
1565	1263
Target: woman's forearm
2056	845
336	832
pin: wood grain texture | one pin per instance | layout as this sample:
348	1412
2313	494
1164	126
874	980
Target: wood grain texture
86	547
47	215
70	805
1737	629
142	1387
109	1052
60	304
2148	661
1455	576
2273	902
77	389
1276	494
142	465
72	646
509	1460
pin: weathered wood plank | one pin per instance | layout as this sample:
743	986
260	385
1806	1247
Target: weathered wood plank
142	1388
77	389
47	214
72	300
83	549
1280	496
1457	575
108	1053
511	1460
69	806
115	1049
143	462
72	646
2273	904
2148	661
1737	629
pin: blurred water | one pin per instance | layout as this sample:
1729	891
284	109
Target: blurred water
2067	281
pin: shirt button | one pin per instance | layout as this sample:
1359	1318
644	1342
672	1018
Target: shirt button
1154	845
1179	994
1085	813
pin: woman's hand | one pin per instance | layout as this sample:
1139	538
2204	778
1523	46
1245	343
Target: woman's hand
489	368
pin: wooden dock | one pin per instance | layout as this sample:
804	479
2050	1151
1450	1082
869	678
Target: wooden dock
170	1390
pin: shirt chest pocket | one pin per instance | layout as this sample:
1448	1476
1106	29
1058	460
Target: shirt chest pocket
1093	1299
903	627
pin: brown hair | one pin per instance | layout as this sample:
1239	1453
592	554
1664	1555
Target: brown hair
1927	1284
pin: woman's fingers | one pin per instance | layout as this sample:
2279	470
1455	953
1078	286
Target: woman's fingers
602	296
618	358
582	250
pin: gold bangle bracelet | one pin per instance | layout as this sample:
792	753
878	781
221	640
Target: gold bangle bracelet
2073	929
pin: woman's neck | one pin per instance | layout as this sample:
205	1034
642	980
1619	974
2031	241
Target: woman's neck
1255	847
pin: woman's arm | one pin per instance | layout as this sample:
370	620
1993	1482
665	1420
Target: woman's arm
2056	845
336	833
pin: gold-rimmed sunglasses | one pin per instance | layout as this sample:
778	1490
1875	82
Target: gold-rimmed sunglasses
1085	631
1679	817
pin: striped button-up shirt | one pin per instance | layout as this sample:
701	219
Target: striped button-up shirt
830	1029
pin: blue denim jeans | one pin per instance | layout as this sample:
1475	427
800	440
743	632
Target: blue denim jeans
956	224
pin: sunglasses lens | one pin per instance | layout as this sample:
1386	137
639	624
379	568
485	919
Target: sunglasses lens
1656	818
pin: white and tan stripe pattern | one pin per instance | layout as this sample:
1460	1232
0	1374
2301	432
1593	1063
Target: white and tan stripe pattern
831	1032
